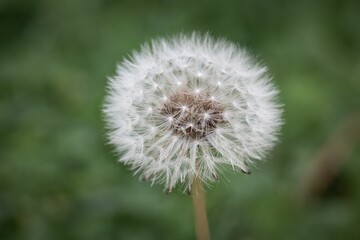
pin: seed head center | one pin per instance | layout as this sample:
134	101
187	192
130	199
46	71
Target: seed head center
193	115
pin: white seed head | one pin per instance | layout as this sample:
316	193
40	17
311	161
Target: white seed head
181	108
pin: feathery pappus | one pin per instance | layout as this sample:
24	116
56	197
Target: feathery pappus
180	108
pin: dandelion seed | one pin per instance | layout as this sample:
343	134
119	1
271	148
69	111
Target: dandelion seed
194	126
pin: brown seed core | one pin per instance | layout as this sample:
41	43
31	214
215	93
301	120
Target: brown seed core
192	115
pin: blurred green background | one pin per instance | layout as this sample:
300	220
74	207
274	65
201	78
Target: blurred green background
59	179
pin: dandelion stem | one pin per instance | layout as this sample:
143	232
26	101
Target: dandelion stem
201	222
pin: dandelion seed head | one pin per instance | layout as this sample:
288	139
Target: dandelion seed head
186	106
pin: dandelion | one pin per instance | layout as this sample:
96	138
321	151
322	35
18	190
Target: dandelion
182	108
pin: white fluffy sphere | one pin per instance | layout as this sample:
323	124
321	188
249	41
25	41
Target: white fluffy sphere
180	108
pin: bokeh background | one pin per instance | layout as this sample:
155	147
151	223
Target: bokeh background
59	179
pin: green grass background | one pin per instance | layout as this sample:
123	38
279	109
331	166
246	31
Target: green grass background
59	179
